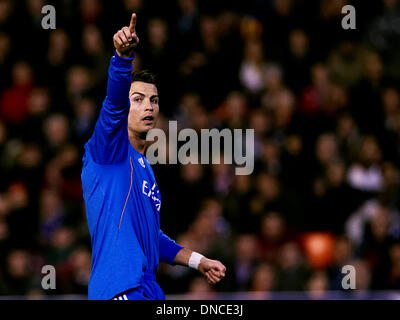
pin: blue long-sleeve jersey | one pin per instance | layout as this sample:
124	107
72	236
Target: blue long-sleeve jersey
122	198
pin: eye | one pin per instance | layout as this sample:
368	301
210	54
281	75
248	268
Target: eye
137	99
154	100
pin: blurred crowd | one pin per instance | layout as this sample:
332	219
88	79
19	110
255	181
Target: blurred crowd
324	103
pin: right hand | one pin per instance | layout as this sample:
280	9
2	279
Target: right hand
125	40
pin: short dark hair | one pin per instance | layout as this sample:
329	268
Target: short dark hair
144	76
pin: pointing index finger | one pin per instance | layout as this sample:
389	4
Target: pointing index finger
132	25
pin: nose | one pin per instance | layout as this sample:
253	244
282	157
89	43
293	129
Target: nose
149	106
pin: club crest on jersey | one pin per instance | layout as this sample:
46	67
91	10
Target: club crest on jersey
152	193
141	161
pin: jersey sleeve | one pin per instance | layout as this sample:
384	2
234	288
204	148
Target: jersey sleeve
108	143
168	249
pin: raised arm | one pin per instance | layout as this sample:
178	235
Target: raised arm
109	141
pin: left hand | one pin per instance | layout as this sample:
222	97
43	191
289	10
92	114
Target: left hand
213	270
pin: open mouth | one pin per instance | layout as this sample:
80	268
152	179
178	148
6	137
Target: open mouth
148	118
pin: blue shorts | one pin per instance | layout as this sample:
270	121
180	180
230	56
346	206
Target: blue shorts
148	290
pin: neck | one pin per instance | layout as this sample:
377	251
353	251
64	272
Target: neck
138	140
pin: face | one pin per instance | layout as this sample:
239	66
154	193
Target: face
144	107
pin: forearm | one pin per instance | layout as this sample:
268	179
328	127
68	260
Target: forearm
120	71
119	82
126	55
182	257
107	145
175	254
168	249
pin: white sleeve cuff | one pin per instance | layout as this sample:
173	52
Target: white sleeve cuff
194	260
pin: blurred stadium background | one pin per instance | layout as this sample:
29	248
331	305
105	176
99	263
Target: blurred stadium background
324	103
